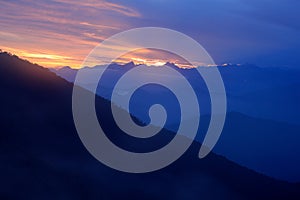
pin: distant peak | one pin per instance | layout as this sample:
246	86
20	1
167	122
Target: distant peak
131	63
170	64
64	67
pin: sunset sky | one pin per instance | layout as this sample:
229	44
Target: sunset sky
58	33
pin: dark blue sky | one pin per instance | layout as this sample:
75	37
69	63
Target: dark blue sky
264	32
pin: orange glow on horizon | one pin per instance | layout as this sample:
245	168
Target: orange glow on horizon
153	57
45	59
149	57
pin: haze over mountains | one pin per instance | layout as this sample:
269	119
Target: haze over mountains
268	93
263	110
43	158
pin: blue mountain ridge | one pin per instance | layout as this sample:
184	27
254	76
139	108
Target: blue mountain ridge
262	127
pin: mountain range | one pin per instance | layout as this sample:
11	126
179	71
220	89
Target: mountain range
42	156
264	92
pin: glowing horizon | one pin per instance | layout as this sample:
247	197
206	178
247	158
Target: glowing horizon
49	60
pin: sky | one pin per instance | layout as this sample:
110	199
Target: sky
56	33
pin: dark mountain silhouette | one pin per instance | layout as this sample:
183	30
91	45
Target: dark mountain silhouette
43	158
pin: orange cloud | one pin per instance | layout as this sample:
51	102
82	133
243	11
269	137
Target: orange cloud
103	5
59	33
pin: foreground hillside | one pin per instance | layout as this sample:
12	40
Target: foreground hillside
41	156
